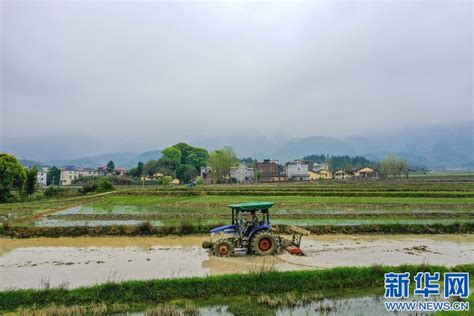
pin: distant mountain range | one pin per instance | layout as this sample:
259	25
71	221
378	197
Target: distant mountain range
441	147
125	159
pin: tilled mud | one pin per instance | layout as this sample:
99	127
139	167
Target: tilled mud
73	262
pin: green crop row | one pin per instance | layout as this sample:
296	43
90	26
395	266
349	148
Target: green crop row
252	284
123	199
237	192
190	214
464	187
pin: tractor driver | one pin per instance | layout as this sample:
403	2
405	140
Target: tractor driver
254	218
249	224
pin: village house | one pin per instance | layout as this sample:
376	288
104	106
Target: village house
270	171
342	174
298	170
42	177
68	174
241	174
152	177
320	166
366	173
88	172
120	171
320	174
206	175
102	171
175	181
320	171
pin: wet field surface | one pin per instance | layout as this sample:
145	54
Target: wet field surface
73	262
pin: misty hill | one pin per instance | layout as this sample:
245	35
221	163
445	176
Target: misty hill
125	159
448	147
438	146
144	157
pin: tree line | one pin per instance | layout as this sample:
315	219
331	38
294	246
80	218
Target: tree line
344	162
183	161
15	177
180	161
394	166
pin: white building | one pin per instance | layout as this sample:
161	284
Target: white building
242	174
298	170
88	172
206	175
42	178
68	174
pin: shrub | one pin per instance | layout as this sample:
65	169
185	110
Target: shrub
167	180
104	184
145	228
83	180
199	180
90	186
121	180
54	191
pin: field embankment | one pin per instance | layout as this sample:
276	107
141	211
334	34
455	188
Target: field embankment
156	291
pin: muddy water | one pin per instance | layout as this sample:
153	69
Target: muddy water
72	262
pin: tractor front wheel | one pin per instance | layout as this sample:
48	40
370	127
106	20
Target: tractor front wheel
223	248
264	244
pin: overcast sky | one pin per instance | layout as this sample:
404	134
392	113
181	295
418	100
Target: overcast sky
129	76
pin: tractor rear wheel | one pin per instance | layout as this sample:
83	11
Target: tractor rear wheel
223	248
264	244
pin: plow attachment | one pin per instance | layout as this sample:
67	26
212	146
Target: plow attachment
293	245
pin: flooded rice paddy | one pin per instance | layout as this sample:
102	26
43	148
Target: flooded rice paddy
89	215
364	302
348	303
160	209
73	262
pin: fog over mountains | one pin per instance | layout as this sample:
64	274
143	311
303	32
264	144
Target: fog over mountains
84	82
440	147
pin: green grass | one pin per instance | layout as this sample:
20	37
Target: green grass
280	200
163	290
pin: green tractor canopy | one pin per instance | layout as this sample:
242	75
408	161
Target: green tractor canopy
251	206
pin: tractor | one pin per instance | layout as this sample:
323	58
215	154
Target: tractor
252	234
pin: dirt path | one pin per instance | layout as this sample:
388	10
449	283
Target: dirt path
72	262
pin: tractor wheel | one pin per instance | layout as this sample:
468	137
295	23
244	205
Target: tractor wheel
264	244
223	248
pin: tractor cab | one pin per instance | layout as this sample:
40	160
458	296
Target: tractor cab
250	232
249	217
249	221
